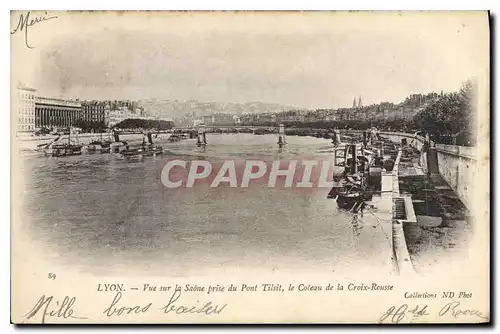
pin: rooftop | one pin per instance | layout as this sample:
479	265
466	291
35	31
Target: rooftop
21	85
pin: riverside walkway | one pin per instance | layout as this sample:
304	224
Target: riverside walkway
442	228
432	221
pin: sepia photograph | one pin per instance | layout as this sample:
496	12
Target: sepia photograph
250	167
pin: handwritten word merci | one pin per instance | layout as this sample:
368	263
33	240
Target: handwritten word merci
25	22
301	174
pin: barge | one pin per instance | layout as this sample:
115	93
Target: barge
363	166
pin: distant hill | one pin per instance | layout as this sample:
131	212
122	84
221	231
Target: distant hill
195	109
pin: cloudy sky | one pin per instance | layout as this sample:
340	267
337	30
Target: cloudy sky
310	60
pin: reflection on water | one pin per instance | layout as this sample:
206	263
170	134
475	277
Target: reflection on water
92	211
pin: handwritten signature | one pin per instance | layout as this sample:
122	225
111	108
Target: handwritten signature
453	309
26	22
62	309
397	314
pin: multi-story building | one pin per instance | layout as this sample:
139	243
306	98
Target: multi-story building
51	112
197	122
224	119
137	113
248	118
140	112
130	105
331	117
24	105
208	120
291	116
266	118
95	111
118	115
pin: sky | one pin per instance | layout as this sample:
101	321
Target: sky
312	60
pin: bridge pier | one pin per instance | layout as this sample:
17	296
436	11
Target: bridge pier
201	139
336	137
281	135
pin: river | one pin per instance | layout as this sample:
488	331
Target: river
105	214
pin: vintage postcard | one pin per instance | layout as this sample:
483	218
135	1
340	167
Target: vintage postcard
250	167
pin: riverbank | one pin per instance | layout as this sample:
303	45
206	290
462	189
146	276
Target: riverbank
31	143
443	223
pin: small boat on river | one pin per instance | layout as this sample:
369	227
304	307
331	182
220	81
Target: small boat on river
350	189
99	146
102	146
145	149
59	149
67	149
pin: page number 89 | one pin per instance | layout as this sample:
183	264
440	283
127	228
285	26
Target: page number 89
52	276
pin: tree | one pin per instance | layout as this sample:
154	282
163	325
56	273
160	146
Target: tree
449	115
136	123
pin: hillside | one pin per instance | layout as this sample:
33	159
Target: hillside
193	109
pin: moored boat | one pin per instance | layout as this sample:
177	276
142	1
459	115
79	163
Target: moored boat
144	149
59	149
174	138
350	188
63	150
349	201
260	132
99	146
102	146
